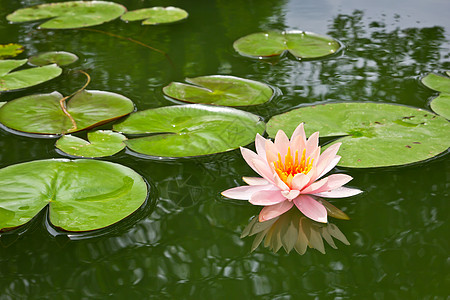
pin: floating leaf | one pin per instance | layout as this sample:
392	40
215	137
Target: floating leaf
24	78
301	44
81	195
374	134
43	114
156	15
10	50
220	90
190	130
437	83
101	143
71	14
441	105
61	58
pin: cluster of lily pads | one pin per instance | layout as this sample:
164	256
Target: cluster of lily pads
372	134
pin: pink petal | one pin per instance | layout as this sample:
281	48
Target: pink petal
340	192
249	157
255	180
327	157
311	208
334	181
271	152
263	169
299	131
282	143
268	197
280	183
260	144
290	194
315	186
273	211
298	144
330	166
299	181
312	143
245	192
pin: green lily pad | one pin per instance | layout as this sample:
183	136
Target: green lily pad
441	105
10	50
220	90
81	195
301	44
61	58
43	114
71	14
372	134
437	83
24	78
101	143
190	130
156	15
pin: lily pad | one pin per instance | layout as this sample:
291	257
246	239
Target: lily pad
156	15
71	14
43	114
61	58
77	193
437	82
10	50
372	134
441	105
190	130
24	78
301	44
220	90
101	143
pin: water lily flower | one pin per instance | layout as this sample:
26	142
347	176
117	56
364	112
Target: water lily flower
291	172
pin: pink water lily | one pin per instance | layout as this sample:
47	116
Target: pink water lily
291	172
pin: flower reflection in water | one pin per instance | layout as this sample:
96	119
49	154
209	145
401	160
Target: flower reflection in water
292	230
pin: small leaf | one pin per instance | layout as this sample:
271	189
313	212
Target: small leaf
301	44
441	105
24	78
10	50
81	195
156	15
437	82
70	14
61	58
220	90
101	143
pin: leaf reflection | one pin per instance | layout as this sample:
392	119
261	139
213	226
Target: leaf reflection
292	230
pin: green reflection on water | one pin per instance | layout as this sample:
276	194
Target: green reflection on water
189	246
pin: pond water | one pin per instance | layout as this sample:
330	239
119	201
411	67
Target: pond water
185	243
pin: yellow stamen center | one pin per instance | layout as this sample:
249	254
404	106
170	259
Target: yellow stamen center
292	166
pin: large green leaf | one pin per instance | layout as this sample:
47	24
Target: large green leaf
441	105
71	14
101	143
43	113
306	45
372	134
220	90
437	82
190	130
61	58
10	50
156	15
24	78
81	194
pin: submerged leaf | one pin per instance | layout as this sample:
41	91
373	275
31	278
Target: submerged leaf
189	130
81	195
24	78
156	15
44	114
372	134
70	14
10	50
61	58
220	90
101	143
301	44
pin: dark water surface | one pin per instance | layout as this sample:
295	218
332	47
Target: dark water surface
185	243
